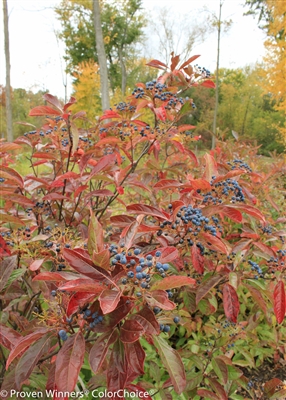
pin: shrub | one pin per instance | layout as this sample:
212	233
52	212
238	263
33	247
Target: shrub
122	246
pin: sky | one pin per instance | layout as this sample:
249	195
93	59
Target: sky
37	56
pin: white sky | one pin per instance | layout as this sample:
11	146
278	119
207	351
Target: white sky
36	56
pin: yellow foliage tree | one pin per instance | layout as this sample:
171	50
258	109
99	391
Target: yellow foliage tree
87	89
275	60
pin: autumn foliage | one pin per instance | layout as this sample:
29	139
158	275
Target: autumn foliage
131	263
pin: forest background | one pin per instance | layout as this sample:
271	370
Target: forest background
251	98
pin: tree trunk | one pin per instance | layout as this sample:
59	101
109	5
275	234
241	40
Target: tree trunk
103	72
216	76
123	71
8	83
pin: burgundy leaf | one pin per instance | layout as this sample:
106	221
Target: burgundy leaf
279	301
206	286
131	331
135	356
230	302
40	111
7	265
147	210
99	349
147	319
109	300
8	337
197	260
159	298
69	361
173	363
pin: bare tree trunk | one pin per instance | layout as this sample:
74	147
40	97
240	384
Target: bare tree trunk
8	83
104	87
219	22
123	71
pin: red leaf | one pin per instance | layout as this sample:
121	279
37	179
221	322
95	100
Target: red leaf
197	260
173	363
279	301
214	243
147	319
8	337
68	363
4	147
23	343
147	210
211	167
129	234
131	331
167	184
192	155
135	356
100	348
42	111
159	298
168	254
78	300
109	300
174	62
85	266
30	358
249	210
265	249
200	184
121	220
117	370
270	386
217	387
183	128
54	101
5	268
54	276
156	64
82	285
108	114
230	174
11	174
161	113
208	83
71	101
105	161
231	213
36	264
171	282
46	156
189	60
206	286
230	302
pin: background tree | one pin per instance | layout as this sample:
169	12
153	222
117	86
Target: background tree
9	125
122	26
103	72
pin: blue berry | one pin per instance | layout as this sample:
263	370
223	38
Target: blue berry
63	335
176	319
137	251
158	253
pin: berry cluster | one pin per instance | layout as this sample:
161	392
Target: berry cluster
93	317
125	107
189	222
255	267
277	262
223	190
239	164
205	73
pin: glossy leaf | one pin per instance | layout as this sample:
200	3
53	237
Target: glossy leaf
147	319
211	167
135	356
197	260
30	358
220	369
159	298
189	60
171	282
131	331
205	393
208	83
230	302
217	387
270	386
82	285
69	361
109	300
156	64
279	301
117	369
11	174
146	210
78	300
25	342
204	288
9	337
41	111
168	254
172	362
250	210
7	265
100	348
214	243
